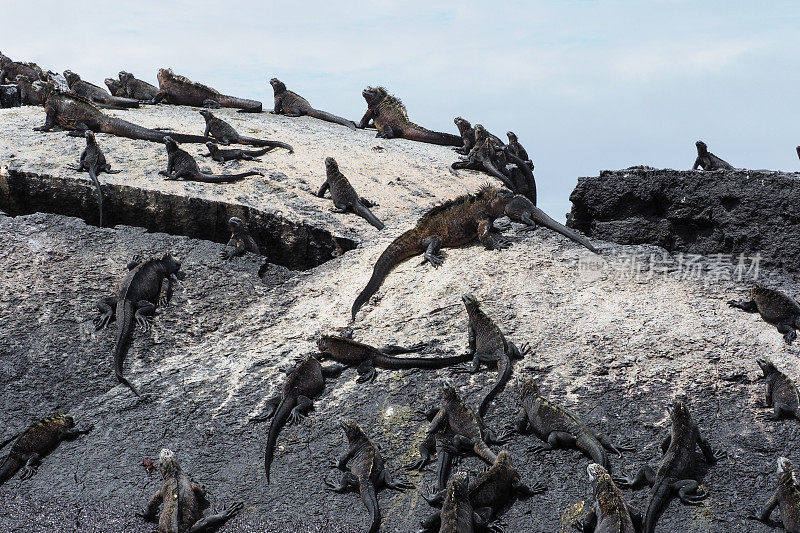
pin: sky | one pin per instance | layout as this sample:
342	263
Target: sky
586	85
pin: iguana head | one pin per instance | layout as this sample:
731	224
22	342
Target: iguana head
527	387
512	137
459	483
170	143
598	476
374	95
679	412
45	89
498	199
167	463
164	75
89	137
324	344
480	134
331	165
462	124
172	266
277	85
786	470
701	147
449	393
212	147
113	85
236	225
125	77
208	115
352	430
471	303
71	77
4	59
767	367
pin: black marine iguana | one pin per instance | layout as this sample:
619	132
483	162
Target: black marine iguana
559	427
780	392
490	492
35	442
344	196
610	512
516	148
708	161
787	497
439	443
226	134
774	307
457	515
93	161
366	358
182	499
146	284
9	70
292	104
240	241
221	155
391	119
367	472
136	89
488	345
178	90
96	94
181	165
74	112
468	136
115	88
303	383
454	223
521	209
677	468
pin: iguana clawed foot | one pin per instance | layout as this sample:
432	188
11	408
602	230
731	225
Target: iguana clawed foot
143	322
436	259
102	320
27	472
233	510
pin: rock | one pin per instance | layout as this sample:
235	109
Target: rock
9	95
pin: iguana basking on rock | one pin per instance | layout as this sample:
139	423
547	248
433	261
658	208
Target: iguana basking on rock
344	196
95	93
9	70
292	104
787	497
454	223
34	443
780	392
178	90
114	87
240	241
73	112
774	307
676	472
30	93
367	472
367	358
233	154
136	89
147	284
559	427
488	345
182	501
468	136
516	148
303	383
457	515
181	165
391	120
439	443
94	162
489	493
708	161
224	133
610	512
521	209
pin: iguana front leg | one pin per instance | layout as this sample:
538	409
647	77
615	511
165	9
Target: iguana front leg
217	519
322	189
233	249
297	415
487	239
645	476
208	127
613	447
389	483
773	502
432	253
366	371
165	293
364	122
271	405
49	120
521	421
107	308
556	439
709	453
744	305
30	467
348	482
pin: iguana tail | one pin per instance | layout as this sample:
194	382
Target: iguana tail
252	141
594	449
125	103
278	421
124	330
503	375
418	133
123	128
99	194
329	117
400	363
243	104
658	499
364	212
370	500
540	217
482	450
8	468
224	178
256	153
403	247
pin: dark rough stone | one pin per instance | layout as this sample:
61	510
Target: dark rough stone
9	96
740	212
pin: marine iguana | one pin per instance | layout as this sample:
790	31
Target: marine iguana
780	392
344	196
457	515
774	307
454	223
391	119
147	284
292	104
787	497
182	499
367	472
708	161
488	345
9	70
468	136
221	156
439	443
226	134
516	148
30	93
559	427
303	383
469	432
178	90
240	241
677	468
610	512
115	88
366	358
93	161
35	442
181	165
74	112
521	209
490	492
136	89
96	94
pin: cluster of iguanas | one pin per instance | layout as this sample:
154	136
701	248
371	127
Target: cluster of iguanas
456	428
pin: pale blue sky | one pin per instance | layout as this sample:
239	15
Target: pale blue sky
585	85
